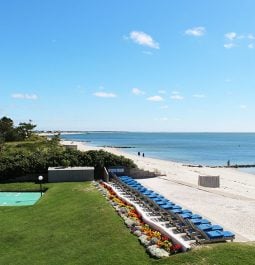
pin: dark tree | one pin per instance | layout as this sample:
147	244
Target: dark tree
6	129
25	130
10	133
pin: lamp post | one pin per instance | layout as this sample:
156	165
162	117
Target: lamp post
40	178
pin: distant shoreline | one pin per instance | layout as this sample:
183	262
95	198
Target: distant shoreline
190	149
55	133
85	132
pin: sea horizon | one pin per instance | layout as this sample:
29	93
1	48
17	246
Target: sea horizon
130	131
211	149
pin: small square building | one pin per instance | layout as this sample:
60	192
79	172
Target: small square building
70	174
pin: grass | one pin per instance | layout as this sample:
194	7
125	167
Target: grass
22	186
30	145
73	224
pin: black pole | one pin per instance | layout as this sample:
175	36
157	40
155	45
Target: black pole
41	187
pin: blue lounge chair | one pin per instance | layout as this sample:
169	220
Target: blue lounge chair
176	211
167	206
177	206
196	216
199	221
148	192
165	200
160	203
208	227
153	195
186	211
185	215
156	199
215	234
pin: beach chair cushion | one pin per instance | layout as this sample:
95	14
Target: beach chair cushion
215	234
160	203
228	234
176	210
220	234
186	211
208	227
167	206
153	195
185	215
199	221
196	216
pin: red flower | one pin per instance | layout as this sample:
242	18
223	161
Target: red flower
176	247
164	238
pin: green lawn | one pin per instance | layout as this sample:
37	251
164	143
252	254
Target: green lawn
74	224
22	186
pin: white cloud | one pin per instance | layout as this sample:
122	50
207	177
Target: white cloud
243	106
161	119
164	107
241	37
235	40
198	96
137	91
231	36
251	37
143	39
24	96
105	95
229	45
177	97
155	98
196	31
175	92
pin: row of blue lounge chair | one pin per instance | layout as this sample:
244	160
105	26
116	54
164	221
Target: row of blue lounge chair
186	220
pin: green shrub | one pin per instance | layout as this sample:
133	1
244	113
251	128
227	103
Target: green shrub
23	159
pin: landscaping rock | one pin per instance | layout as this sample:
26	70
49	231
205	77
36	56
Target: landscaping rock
138	227
123	210
144	241
138	233
157	252
154	241
137	223
124	217
129	222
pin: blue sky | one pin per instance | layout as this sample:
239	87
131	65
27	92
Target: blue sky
129	65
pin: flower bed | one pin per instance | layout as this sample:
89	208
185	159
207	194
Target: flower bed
156	244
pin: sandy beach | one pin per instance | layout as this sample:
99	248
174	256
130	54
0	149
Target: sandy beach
232	205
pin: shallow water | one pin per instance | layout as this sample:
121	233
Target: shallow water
190	148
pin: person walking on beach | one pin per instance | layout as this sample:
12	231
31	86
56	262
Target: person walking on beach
138	153
143	154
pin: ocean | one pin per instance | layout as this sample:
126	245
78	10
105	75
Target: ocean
189	148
